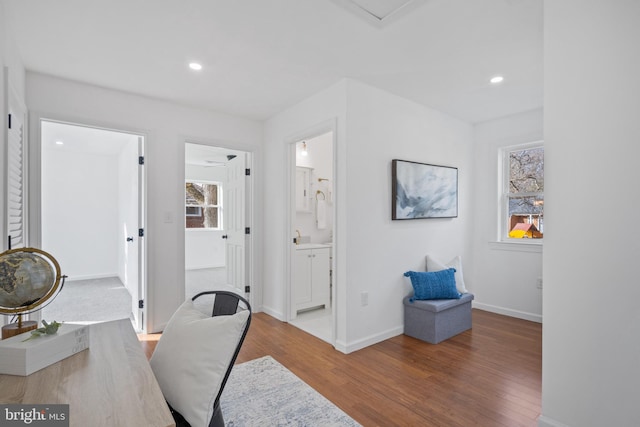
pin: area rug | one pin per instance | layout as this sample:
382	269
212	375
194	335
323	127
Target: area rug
262	393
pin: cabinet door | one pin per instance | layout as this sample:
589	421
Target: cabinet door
320	277
302	278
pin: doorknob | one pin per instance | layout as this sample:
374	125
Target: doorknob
224	236
129	239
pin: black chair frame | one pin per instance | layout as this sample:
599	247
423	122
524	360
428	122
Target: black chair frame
225	304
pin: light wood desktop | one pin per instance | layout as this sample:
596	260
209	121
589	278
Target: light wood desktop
111	384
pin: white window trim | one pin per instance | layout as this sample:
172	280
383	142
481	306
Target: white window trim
504	241
219	205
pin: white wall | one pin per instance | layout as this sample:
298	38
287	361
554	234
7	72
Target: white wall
202	173
166	126
591	335
204	248
382	127
502	276
320	158
309	118
9	55
12	70
80	212
372	251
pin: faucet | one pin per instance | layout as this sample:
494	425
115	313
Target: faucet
297	239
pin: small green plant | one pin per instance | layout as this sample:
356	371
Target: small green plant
48	329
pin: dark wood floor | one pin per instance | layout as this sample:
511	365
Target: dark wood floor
488	376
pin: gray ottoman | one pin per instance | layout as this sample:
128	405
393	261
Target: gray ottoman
436	320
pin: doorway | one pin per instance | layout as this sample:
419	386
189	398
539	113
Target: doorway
91	221
311	278
217	219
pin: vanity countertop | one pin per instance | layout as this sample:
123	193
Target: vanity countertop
313	246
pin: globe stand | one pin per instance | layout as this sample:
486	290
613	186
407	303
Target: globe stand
20	327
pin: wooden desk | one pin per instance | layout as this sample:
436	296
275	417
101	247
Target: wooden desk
110	384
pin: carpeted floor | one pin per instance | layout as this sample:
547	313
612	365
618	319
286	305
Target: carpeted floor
262	392
100	300
95	300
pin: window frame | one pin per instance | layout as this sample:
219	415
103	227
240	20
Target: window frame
219	206
504	193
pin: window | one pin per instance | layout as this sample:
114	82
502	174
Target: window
523	192
203	205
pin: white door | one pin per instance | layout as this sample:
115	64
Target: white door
134	258
15	170
302	280
235	221
130	180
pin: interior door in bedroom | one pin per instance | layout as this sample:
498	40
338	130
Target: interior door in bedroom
236	220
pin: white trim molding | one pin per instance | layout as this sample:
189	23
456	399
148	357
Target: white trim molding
508	312
548	422
347	348
513	246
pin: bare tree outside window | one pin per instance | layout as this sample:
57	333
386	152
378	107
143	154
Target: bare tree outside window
525	195
202	205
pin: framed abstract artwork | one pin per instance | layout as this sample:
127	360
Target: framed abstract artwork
421	190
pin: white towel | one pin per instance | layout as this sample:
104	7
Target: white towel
321	214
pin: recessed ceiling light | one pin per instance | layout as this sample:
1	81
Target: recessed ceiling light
195	66
59	143
496	79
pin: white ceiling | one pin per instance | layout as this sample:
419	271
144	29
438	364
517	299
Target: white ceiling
207	156
262	56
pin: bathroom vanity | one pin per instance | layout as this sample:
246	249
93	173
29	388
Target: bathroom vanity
312	276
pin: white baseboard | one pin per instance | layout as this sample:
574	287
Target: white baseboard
347	348
548	422
204	267
273	313
74	278
508	312
159	328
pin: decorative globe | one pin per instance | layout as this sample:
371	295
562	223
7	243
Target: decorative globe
28	278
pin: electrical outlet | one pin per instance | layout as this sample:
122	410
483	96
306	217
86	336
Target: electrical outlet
539	283
364	298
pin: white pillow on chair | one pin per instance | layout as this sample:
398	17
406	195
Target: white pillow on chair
434	265
192	357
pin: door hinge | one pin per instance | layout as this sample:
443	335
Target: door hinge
140	303
141	160
247	230
9	121
247	289
247	172
140	232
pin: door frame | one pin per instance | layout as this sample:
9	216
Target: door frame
13	102
250	196
290	209
34	219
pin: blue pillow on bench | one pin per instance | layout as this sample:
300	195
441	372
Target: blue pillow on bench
433	284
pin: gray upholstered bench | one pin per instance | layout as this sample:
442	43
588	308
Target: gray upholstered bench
436	320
